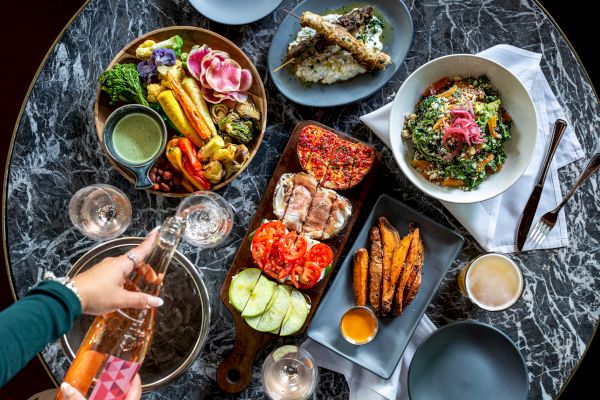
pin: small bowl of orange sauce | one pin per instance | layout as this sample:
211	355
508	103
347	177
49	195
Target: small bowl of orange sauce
359	325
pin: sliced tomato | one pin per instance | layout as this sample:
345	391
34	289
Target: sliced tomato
262	242
269	230
261	251
305	276
321	254
292	247
276	270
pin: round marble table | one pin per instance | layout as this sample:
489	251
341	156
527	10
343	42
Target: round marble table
55	153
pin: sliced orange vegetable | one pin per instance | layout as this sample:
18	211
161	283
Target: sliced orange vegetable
484	162
492	122
451	182
439	123
448	92
190	110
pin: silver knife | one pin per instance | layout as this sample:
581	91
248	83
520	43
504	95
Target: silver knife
534	199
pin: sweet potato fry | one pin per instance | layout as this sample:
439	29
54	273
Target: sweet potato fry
398	260
361	274
390	239
412	293
406	273
414	282
375	270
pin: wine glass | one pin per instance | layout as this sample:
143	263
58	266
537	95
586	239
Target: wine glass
100	212
289	373
208	219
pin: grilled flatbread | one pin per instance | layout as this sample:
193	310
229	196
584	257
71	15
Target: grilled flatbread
390	281
375	270
361	276
406	273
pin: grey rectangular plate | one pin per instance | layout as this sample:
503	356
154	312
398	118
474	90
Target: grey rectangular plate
382	354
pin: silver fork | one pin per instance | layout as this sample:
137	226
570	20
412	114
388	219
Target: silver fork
544	226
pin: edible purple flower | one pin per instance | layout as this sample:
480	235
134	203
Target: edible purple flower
163	57
147	71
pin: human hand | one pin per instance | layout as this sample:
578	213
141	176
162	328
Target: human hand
101	287
134	393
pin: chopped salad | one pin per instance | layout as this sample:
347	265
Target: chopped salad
458	131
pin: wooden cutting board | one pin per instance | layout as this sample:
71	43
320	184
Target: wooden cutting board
235	373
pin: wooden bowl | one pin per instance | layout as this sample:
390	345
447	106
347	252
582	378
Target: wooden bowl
191	36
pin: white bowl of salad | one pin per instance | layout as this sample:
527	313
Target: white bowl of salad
463	128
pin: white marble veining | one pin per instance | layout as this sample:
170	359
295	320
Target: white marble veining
56	153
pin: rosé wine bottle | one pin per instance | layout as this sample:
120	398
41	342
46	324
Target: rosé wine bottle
114	347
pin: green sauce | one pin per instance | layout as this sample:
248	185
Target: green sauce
137	138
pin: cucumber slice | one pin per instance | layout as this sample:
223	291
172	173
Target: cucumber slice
260	297
273	316
241	287
296	318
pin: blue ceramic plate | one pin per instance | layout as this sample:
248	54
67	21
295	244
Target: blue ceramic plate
235	12
468	360
382	354
396	43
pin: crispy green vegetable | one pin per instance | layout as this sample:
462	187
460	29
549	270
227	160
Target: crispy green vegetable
122	83
247	109
238	129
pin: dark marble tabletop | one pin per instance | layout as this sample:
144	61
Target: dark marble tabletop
56	152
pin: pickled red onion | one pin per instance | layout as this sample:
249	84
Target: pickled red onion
462	129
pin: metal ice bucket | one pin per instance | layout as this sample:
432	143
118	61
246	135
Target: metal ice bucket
181	323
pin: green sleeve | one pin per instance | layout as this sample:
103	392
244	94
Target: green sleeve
44	314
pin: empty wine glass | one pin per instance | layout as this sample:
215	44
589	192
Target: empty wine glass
100	212
289	373
208	219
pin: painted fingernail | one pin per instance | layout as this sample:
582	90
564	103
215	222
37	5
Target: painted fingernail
67	389
155	301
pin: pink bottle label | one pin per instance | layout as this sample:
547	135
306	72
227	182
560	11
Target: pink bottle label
115	379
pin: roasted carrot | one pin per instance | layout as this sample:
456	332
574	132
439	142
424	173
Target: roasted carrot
189	109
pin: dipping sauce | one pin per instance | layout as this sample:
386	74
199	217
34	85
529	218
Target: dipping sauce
493	282
358	325
137	138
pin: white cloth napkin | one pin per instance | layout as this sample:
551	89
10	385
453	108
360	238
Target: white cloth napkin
493	223
365	385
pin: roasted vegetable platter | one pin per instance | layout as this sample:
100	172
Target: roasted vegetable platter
207	91
309	141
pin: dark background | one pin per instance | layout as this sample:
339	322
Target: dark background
29	29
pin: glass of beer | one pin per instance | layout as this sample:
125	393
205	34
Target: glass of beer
492	281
